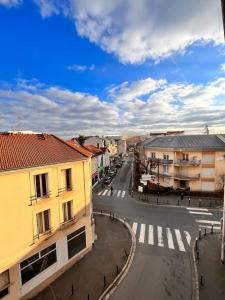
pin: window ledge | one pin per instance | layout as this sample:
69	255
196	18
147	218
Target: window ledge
66	224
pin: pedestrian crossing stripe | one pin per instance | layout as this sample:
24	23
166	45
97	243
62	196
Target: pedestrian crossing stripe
205	224
116	193
165	237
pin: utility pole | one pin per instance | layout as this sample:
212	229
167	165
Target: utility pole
223	225
158	174
223	14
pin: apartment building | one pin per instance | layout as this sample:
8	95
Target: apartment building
45	211
196	162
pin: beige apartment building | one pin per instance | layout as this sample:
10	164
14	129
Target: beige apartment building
196	162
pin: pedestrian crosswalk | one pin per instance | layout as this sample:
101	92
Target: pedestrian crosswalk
204	223
159	236
115	193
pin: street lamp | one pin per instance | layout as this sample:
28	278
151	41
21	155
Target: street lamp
223	14
158	160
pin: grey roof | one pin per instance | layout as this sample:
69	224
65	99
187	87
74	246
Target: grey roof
200	142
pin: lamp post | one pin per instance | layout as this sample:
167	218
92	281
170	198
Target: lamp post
223	226
158	160
223	14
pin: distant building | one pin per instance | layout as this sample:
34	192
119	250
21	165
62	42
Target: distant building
196	162
45	211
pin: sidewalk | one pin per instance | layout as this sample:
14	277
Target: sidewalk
169	199
210	266
87	276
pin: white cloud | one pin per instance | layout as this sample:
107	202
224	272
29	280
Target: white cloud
10	3
138	30
81	68
223	67
50	7
146	105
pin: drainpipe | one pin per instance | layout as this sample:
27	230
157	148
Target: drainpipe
223	228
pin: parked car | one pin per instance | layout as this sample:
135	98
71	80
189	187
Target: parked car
113	172
119	165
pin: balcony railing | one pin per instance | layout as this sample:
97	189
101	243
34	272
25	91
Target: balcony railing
37	198
190	163
186	177
161	160
65	189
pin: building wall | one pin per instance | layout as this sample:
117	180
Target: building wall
95	140
18	218
211	169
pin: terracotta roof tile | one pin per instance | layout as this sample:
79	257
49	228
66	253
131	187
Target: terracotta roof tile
79	148
93	149
19	151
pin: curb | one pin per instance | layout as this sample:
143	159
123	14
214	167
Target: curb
195	284
116	282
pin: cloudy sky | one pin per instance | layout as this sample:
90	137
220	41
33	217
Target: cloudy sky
111	67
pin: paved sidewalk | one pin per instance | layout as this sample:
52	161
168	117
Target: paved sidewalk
170	199
87	276
210	266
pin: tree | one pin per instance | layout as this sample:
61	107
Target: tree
81	139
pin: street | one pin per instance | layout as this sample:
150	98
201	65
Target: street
161	268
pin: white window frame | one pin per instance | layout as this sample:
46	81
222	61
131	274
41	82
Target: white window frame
41	185
43	222
66	211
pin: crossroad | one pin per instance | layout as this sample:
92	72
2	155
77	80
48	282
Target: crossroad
116	193
204	218
159	236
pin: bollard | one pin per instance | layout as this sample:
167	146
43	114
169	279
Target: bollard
117	270
88	296
205	232
189	201
72	290
125	251
104	281
101	212
200	234
212	229
157	200
201	280
178	202
197	255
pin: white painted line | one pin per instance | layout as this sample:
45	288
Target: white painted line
100	193
200	213
160	237
142	234
105	192
209	227
109	193
151	235
123	194
179	240
197	208
119	192
134	227
169	238
208	222
188	237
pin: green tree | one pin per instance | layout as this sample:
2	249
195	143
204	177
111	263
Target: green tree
81	139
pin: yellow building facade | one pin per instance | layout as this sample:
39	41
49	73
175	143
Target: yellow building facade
45	216
182	163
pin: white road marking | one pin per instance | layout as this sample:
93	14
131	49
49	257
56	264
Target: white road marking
179	240
209	227
123	194
208	222
200	213
119	192
197	208
134	227
100	193
150	235
105	192
160	237
109	193
142	234
188	237
169	238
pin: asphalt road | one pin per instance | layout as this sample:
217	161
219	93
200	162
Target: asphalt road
161	268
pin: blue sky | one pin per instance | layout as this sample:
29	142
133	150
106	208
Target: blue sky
66	65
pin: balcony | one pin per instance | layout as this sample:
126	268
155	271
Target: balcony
163	174
187	163
186	177
65	189
161	160
39	198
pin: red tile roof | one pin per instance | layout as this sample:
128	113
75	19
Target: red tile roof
79	148
93	149
19	151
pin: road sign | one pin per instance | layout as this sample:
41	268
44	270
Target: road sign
140	189
146	177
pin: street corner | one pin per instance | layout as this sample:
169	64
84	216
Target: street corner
98	274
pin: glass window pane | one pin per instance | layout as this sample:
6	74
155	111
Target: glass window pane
73	234
69	209
76	245
4	279
4	292
46	220
68	179
40	223
29	260
48	249
44	184
37	186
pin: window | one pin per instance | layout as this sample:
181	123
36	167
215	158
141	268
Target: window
152	154
76	241
166	156
67	211
43	221
185	156
4	284
66	176
165	169
37	263
41	185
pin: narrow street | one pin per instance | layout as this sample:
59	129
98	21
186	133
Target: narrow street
161	268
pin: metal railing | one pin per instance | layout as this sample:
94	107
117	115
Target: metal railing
193	162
